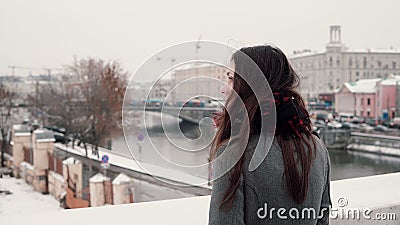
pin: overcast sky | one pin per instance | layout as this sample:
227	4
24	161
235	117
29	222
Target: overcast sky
48	33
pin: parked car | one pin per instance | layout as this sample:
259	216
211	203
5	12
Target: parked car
396	122
345	117
365	128
358	120
334	125
393	123
381	128
322	117
371	122
319	124
349	126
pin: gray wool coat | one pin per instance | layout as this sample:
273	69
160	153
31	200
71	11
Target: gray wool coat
263	196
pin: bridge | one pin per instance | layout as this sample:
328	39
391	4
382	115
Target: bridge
374	143
366	142
189	114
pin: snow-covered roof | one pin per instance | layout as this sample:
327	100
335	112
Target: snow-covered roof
71	160
122	179
197	65
305	54
367	50
98	178
391	80
362	86
345	50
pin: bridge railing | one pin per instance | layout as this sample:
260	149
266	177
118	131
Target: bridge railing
376	195
375	140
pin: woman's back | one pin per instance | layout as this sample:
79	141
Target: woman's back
292	183
263	196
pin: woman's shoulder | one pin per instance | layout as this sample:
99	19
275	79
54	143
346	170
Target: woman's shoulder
274	148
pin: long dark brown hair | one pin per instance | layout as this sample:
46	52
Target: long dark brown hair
281	76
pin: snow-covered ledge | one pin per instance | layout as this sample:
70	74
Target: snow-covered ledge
379	193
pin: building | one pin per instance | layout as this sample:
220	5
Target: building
142	91
203	80
325	71
370	98
388	97
28	85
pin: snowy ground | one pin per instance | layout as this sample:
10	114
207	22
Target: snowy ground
23	198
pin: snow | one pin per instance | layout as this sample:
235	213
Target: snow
156	171
24	199
27	165
46	140
71	160
44	136
363	85
98	178
305	54
57	176
392	80
367	50
22	134
21	130
378	193
122	179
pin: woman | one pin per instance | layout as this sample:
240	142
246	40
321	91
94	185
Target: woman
291	185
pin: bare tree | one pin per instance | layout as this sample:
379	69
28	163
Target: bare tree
102	89
6	106
88	105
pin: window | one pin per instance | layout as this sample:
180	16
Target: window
350	62
330	61
365	62
379	62
394	65
368	101
368	113
361	113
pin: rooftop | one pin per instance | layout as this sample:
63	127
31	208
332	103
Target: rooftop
363	85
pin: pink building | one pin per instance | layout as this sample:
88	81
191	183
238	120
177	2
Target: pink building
386	96
369	98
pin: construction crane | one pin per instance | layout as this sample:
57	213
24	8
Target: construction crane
13	67
30	69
